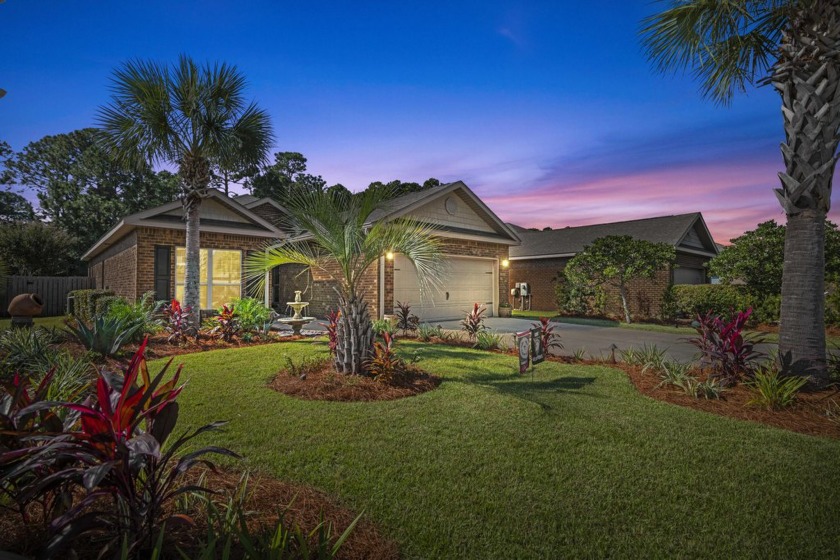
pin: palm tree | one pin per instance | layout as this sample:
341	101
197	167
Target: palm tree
339	236
795	46
191	116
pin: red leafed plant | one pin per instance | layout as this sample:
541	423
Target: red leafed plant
384	364
550	339
177	322
473	323
724	349
227	324
332	329
116	455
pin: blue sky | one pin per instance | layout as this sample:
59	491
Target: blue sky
549	111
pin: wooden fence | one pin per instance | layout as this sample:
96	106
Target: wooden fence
52	289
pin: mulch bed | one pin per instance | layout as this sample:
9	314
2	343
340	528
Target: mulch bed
267	499
322	383
806	416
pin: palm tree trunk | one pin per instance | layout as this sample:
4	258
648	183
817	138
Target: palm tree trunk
807	75
192	274
802	332
354	335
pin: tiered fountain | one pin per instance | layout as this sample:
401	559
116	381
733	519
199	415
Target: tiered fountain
296	321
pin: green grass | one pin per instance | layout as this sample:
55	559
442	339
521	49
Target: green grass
48	322
571	462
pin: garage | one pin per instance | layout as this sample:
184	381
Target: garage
689	275
468	281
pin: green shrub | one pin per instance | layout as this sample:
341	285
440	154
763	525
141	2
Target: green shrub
252	314
668	305
486	340
72	378
773	391
832	303
698	299
570	299
425	332
145	311
27	350
105	335
84	303
767	309
384	326
104	303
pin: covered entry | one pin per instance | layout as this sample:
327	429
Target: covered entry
468	281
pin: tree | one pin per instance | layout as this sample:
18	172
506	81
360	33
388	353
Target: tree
191	116
398	188
615	260
757	258
37	249
82	189
343	244
281	179
795	46
15	208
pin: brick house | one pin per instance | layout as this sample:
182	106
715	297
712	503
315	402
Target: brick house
145	251
541	257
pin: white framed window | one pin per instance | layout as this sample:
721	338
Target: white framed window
220	276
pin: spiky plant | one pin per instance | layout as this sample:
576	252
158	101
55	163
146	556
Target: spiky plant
187	115
795	46
341	238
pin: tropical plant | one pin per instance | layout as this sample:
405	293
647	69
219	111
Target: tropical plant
649	357
25	350
176	322
426	332
226	324
303	368
105	335
195	117
146	310
117	454
342	240
549	338
616	260
725	349
674	373
406	320
473	323
383	326
795	46
253	315
774	390
332	329
709	389
72	377
384	364
486	340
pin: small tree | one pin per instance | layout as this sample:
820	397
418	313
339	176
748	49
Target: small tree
615	260
37	249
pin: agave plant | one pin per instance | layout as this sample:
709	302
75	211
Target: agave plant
106	335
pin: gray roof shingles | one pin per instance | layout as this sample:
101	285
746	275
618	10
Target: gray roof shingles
572	240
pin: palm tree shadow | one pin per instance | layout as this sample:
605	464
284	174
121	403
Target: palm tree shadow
543	393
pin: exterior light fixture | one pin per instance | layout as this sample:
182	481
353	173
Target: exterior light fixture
505	263
389	255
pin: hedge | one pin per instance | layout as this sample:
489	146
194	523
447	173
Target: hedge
695	299
104	303
84	303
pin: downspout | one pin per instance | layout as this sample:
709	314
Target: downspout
381	287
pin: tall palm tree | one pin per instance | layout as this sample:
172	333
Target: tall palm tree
795	46
191	116
340	237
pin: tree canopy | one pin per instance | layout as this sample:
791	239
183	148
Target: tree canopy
615	260
37	249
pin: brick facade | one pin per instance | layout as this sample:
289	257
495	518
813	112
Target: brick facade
541	275
116	268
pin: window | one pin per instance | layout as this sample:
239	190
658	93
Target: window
220	276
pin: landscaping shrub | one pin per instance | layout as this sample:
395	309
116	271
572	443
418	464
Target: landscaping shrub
146	311
774	391
697	299
384	364
406	320
767	309
84	303
425	332
382	327
252	314
473	323
332	329
832	303
486	340
25	350
226	324
176	322
105	335
668	310
550	339
724	349
104	303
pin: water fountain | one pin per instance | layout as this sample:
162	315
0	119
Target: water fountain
296	321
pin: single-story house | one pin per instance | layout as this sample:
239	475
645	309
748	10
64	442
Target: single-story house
145	251
541	257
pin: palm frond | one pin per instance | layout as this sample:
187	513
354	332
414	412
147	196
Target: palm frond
416	241
260	262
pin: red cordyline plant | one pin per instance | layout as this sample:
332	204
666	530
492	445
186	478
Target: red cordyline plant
332	325
724	348
406	320
116	455
177	322
384	364
227	324
473	323
549	338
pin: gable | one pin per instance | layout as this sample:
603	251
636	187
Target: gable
212	210
698	239
453	211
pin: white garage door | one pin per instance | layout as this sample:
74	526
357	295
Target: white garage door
467	281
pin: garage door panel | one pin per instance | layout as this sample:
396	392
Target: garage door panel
466	281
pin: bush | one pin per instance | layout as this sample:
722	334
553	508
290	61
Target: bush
145	311
773	391
767	309
384	364
26	350
486	340
832	303
473	323
549	338
84	303
572	300
253	315
382	327
103	305
406	320
176	322
226	324
724	349
425	332
692	300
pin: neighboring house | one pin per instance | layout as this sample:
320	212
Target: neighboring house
542	256
145	251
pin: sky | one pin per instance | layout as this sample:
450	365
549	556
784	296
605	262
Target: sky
548	111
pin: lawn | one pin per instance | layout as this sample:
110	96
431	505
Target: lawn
569	462
47	322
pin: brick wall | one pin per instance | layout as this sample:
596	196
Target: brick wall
541	275
115	268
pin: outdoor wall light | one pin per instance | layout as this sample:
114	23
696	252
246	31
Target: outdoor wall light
389	255
505	263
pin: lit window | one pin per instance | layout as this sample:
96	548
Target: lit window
220	276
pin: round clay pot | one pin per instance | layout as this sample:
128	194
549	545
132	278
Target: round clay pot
26	305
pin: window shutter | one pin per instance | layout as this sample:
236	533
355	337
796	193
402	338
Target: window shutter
163	272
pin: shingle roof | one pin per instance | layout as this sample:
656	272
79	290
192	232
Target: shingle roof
396	204
572	240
